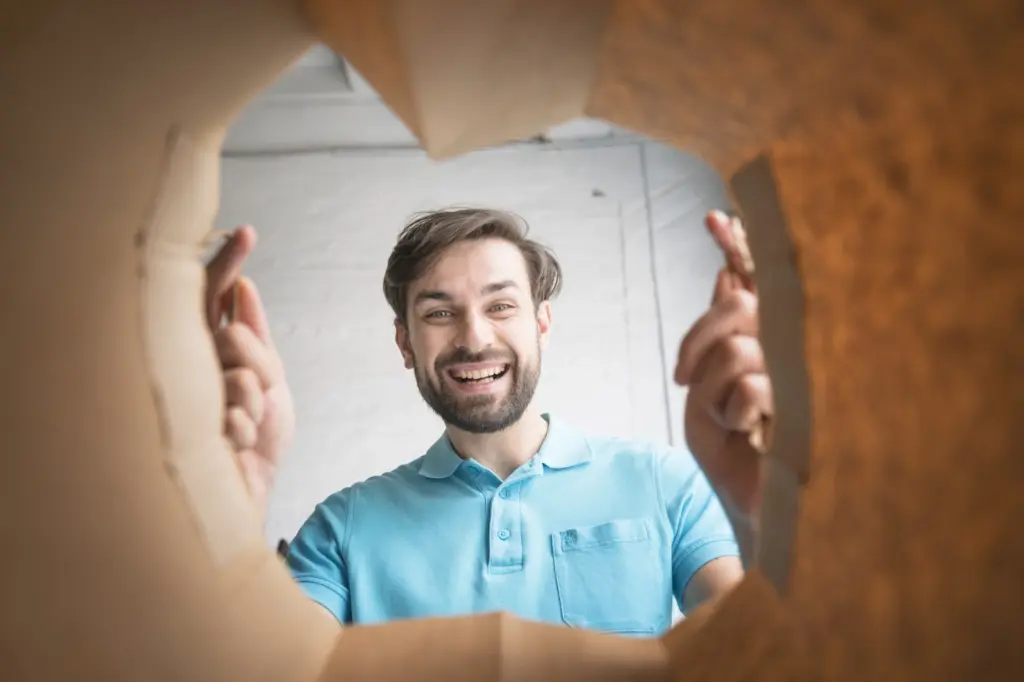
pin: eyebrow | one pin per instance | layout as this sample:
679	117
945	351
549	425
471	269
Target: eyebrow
437	295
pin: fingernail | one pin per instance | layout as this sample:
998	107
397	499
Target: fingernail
720	216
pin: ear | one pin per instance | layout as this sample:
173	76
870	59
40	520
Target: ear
544	322
402	341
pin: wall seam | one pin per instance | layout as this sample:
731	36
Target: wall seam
649	214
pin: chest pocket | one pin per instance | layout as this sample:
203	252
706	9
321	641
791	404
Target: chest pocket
609	577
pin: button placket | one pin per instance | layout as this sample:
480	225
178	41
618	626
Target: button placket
506	546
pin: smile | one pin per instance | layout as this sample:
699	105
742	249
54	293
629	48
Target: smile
484	375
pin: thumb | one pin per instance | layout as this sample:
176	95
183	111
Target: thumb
248	309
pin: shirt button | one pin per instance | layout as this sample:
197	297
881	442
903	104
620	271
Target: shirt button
503	534
504	493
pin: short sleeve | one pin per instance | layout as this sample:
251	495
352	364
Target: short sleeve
701	531
316	556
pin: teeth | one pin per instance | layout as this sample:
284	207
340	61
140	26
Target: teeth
479	374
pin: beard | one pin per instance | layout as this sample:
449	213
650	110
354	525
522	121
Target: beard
480	413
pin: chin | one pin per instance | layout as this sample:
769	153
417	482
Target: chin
485	428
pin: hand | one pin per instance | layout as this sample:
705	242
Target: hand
259	417
722	363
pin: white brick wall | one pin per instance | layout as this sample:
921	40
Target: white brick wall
327	222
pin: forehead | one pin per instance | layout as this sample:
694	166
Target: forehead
463	269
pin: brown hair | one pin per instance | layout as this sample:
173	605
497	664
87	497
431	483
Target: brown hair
427	235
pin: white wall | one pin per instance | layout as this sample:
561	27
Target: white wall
624	217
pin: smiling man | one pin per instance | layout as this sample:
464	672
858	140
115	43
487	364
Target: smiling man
510	509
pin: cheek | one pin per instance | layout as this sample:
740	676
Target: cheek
427	345
523	339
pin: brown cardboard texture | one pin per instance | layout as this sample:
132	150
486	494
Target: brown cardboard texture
879	147
463	74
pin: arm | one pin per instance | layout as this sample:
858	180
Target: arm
316	557
744	527
713	580
729	403
705	552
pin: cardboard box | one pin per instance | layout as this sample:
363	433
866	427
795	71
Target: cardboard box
893	138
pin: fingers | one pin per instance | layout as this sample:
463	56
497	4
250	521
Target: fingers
238	347
242	389
245	408
730	237
223	271
718	224
747	401
725	283
240	429
721	228
734	313
249	309
729	374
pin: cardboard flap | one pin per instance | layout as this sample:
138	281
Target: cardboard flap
493	647
749	634
464	74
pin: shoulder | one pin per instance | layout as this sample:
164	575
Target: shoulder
673	470
374	491
335	518
614	451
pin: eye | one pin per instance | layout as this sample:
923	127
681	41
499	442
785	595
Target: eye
436	314
501	307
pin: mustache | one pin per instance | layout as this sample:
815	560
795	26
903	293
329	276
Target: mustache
464	356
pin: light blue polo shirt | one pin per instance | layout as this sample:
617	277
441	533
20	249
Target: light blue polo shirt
598	533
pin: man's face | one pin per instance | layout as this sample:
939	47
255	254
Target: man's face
473	337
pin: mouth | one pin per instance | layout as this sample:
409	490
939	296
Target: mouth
478	376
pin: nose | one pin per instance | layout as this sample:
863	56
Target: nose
476	333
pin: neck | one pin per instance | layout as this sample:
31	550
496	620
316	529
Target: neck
505	451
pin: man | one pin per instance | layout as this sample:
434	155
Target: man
509	509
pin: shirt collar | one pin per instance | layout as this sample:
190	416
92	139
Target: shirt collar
441	461
563	447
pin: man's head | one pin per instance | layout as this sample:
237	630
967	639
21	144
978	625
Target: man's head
471	295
